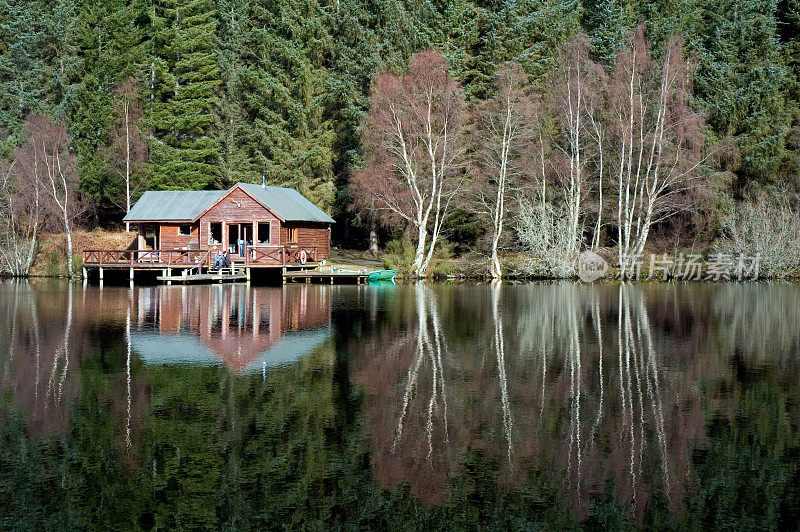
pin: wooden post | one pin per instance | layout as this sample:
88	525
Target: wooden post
224	236
247	274
101	273
130	274
84	273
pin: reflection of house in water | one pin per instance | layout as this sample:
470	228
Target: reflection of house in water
247	329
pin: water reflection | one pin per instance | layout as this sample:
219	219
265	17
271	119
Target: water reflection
246	330
416	406
38	343
576	380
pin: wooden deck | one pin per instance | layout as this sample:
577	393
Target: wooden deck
202	259
194	266
205	278
325	276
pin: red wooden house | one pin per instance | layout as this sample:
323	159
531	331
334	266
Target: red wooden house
258	225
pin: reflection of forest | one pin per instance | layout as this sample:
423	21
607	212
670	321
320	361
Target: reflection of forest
589	383
470	406
47	334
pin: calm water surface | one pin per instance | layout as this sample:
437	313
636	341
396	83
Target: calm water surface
407	407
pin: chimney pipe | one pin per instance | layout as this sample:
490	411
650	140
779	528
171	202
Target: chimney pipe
263	182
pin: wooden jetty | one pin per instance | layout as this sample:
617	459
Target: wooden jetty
233	275
192	266
325	276
211	277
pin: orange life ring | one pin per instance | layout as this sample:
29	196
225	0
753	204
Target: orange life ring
303	256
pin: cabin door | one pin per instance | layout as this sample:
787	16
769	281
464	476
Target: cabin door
239	237
150	236
233	239
247	237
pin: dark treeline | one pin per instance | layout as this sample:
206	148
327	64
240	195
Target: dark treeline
192	94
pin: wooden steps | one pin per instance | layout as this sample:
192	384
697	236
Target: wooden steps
219	276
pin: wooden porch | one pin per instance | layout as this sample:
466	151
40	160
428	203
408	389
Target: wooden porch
202	259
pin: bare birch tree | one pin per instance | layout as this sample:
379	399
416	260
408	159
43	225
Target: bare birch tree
129	148
21	208
657	140
577	97
58	176
413	146
571	160
504	139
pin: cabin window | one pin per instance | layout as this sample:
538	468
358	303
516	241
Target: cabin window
263	232
215	233
150	236
293	235
185	230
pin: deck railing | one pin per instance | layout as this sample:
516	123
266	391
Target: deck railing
254	255
291	254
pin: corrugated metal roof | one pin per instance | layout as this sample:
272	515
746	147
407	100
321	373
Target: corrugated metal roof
288	203
187	205
179	205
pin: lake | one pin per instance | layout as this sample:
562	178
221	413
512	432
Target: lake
540	405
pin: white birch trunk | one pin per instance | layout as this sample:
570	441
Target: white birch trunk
126	107
495	269
373	237
59	181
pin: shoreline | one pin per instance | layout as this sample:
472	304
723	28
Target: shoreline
51	263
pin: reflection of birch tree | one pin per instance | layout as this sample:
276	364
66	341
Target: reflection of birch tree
61	353
128	378
563	333
769	308
36	344
500	354
639	371
429	350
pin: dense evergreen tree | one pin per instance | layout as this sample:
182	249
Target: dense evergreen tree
233	89
23	69
609	24
282	89
233	17
182	113
742	82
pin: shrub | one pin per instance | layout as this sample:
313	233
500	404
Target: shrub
769	228
399	255
545	233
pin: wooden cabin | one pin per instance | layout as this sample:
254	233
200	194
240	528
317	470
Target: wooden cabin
244	217
261	226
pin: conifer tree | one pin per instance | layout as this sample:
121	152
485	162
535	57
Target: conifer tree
289	137
741	81
232	127
110	43
608	24
23	69
184	150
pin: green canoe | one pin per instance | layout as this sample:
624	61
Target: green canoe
381	275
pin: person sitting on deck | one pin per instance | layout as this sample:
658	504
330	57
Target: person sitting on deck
218	260
226	260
